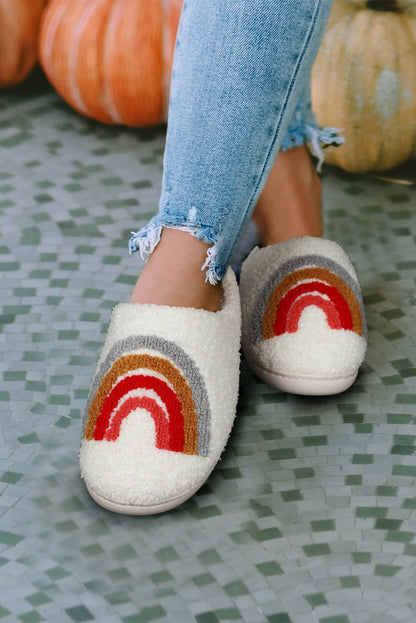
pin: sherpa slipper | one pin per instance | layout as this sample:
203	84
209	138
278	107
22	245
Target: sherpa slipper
304	328
161	403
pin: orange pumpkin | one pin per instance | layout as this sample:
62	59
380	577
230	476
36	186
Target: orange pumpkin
19	29
111	59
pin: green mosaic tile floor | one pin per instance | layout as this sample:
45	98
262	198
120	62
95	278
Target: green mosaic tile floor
311	514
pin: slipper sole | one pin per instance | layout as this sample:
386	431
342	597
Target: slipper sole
303	385
132	509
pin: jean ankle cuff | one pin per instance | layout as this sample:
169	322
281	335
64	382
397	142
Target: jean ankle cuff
145	240
316	139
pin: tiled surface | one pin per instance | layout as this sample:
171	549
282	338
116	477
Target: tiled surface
311	514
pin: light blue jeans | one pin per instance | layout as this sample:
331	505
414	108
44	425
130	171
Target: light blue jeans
239	93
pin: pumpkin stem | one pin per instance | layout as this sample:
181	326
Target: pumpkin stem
382	5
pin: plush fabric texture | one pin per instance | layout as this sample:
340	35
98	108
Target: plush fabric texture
162	400
302	309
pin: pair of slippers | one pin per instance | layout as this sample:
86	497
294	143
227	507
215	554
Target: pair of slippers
163	398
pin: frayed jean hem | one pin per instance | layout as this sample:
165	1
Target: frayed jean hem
317	139
146	239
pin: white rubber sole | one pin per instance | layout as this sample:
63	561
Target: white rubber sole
303	385
131	509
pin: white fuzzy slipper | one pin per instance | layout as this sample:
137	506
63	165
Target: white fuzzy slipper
161	403
303	322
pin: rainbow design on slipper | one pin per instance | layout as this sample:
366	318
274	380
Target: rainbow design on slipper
164	381
301	282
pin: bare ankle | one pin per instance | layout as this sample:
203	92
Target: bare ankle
291	202
173	274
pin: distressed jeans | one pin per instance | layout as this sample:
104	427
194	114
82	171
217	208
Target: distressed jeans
239	93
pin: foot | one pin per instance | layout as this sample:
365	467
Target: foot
161	404
179	282
304	328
